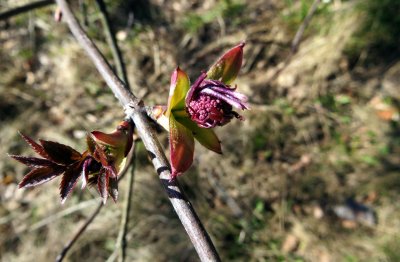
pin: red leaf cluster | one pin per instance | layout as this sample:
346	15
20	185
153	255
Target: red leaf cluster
98	165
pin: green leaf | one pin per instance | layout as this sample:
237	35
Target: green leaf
205	136
181	143
180	85
228	65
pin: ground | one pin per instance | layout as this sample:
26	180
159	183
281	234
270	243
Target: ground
312	174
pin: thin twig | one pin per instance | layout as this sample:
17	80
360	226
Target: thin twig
25	8
83	228
121	240
224	196
296	40
112	42
304	24
121	71
134	108
63	213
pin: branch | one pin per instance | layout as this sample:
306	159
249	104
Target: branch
296	40
68	246
112	42
121	240
136	111
121	70
25	8
306	21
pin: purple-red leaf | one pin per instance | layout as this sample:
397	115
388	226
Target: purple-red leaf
181	143
68	181
115	139
35	146
101	155
39	176
113	188
117	143
85	172
102	185
228	65
111	171
34	161
60	153
111	149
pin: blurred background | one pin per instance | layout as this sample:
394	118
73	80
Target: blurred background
311	175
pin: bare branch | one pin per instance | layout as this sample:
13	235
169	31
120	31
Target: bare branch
296	40
61	214
121	240
112	42
25	8
306	21
82	229
136	111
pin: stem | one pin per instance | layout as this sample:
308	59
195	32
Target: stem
82	229
134	108
25	8
121	240
304	24
112	42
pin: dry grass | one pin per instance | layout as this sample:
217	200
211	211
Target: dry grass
318	134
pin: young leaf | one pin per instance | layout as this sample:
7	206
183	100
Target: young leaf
205	136
33	162
60	153
91	144
115	139
102	185
96	151
111	171
181	145
39	176
85	171
228	65
157	113
126	129
68	181
35	146
113	188
180	85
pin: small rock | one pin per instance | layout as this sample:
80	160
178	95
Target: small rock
290	244
355	212
318	212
